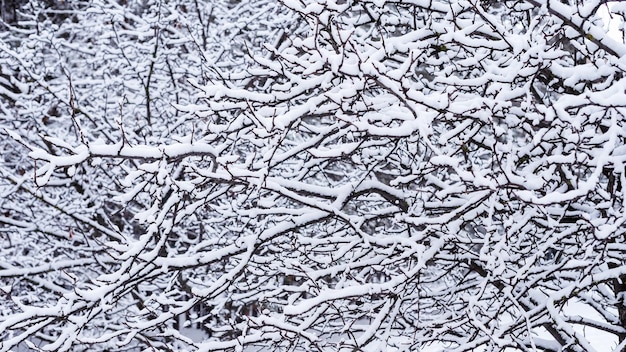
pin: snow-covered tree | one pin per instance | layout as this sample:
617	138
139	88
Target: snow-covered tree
317	175
85	72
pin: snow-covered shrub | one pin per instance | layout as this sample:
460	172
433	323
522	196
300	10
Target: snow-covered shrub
335	175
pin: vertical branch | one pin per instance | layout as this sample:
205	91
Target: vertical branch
619	289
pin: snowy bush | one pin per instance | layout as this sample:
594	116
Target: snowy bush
313	175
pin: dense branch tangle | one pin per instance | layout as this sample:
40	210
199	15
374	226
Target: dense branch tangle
383	175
